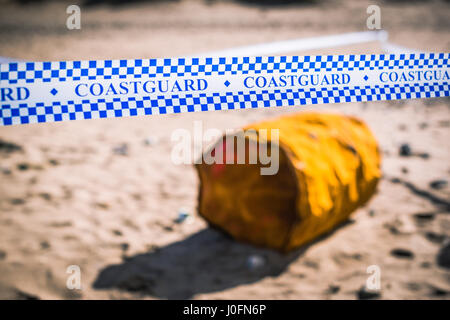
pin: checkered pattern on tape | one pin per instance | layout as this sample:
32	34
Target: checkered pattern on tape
28	72
117	107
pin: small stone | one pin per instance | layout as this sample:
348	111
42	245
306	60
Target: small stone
311	264
395	180
46	196
117	232
23	166
121	149
17	201
101	205
255	262
365	294
332	289
45	245
438	184
443	257
402	253
183	214
9	147
435	237
401	226
423	155
424	217
53	162
405	150
151	141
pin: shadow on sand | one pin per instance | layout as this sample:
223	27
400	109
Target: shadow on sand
207	261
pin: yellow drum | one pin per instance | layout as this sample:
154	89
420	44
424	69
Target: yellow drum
329	165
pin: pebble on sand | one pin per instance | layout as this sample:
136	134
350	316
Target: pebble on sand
151	141
5	170
365	294
332	289
438	184
183	214
121	149
9	147
443	257
402	253
405	150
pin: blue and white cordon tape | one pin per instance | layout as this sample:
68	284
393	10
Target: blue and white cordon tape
34	92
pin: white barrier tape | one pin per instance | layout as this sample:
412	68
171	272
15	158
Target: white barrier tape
314	43
302	44
33	92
